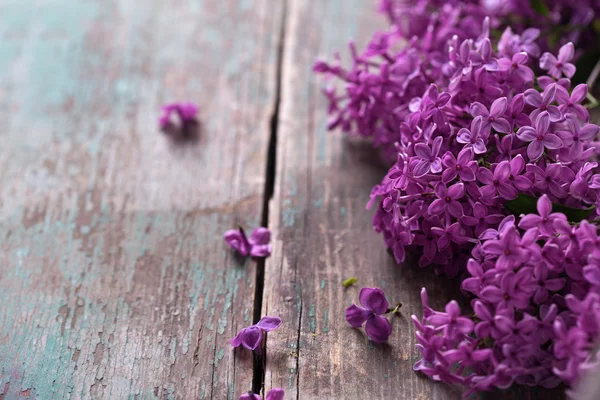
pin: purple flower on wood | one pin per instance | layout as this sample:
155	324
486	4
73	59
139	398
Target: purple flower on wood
257	245
251	337
186	112
274	394
561	65
374	305
539	137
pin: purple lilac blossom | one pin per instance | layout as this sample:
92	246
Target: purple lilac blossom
185	112
537	313
494	150
273	394
374	305
382	83
257	245
252	336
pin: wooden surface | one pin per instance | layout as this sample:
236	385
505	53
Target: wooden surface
323	235
114	281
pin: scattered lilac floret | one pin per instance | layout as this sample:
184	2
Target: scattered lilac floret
374	305
177	114
252	336
257	245
273	394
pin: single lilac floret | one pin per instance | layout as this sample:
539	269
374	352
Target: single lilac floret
257	245
273	394
252	336
374	305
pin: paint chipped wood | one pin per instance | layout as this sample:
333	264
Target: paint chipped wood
115	279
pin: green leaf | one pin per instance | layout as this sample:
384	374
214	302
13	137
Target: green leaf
525	204
540	7
349	282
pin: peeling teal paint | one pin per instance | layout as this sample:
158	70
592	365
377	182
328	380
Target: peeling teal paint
312	324
322	283
325	320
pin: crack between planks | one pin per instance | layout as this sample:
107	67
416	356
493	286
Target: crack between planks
269	190
298	344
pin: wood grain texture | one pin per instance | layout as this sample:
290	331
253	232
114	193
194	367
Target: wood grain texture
323	235
115	282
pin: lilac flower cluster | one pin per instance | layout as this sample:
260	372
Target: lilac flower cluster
383	81
536	289
487	138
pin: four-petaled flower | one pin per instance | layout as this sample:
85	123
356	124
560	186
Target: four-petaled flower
517	65
451	320
257	245
539	137
447	200
507	248
571	103
542	102
274	394
516	116
463	166
374	305
545	220
429	160
251	337
576	137
451	233
481	218
561	65
494	117
509	294
497	181
473	137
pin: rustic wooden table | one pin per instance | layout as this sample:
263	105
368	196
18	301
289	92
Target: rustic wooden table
115	282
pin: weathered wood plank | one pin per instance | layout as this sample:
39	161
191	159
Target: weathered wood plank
115	282
323	235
